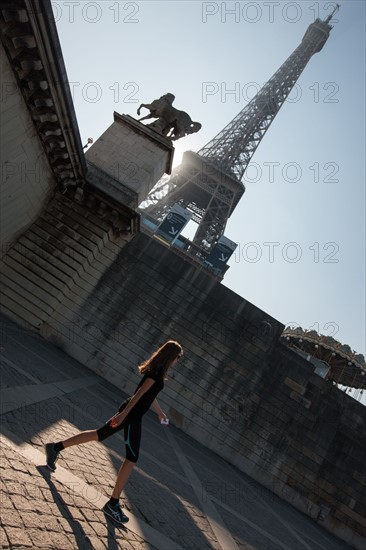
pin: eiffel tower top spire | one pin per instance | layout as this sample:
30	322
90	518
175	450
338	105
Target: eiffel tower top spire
330	17
232	148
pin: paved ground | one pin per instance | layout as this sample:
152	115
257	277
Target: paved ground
180	495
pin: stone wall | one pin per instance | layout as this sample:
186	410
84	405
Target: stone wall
64	252
238	390
26	178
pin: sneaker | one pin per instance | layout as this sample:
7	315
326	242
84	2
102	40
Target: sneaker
51	456
115	512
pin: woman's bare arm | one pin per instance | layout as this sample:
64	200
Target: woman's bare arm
118	418
155	405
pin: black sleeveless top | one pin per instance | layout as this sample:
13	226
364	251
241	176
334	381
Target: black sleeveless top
145	402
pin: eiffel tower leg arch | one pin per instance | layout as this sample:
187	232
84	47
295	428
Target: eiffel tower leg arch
208	193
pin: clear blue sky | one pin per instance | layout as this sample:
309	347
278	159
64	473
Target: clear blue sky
120	54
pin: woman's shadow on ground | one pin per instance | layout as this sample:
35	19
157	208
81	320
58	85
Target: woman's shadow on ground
81	537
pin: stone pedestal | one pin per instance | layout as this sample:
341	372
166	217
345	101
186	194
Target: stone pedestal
134	156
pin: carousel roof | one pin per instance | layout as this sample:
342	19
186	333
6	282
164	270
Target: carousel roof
346	366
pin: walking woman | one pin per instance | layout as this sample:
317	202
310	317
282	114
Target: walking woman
129	418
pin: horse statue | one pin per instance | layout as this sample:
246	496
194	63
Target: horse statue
171	122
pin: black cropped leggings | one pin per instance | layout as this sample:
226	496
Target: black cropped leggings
132	434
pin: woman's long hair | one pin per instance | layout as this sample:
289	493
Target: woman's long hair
160	361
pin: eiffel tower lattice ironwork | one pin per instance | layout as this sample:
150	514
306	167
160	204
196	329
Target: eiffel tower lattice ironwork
208	183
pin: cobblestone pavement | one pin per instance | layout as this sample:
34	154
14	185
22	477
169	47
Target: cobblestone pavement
180	494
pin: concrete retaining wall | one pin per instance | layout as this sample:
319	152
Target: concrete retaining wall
238	390
62	254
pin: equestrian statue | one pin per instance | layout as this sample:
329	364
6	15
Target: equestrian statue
170	122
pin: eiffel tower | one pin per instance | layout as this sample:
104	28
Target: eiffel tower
208	183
